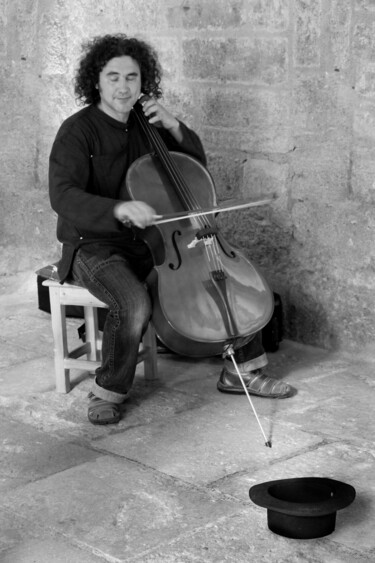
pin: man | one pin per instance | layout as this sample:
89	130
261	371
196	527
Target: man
88	163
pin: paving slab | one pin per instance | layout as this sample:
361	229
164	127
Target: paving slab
170	483
13	353
339	461
28	455
195	377
116	507
28	377
19	321
295	361
15	530
205	444
332	405
47	551
241	538
66	414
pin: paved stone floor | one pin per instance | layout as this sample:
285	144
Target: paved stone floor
171	482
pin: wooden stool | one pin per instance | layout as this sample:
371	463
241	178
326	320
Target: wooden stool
68	294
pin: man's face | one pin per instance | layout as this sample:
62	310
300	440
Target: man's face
119	87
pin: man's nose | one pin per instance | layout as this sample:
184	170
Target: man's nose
123	85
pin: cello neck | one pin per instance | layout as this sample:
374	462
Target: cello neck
152	134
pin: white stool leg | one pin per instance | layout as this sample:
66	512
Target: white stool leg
60	341
92	332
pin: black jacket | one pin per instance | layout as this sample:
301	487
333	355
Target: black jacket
89	160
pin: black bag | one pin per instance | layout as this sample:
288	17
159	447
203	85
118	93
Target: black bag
50	273
272	333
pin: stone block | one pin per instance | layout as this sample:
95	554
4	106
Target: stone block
320	307
334	410
34	373
341	237
323	106
48	551
352	319
252	120
169	52
143	18
268	16
319	174
28	455
25	225
226	170
364	121
55	39
40	179
180	101
363	173
266	229
118	509
257	60
38	404
57	100
3	42
339	35
195	435
264	177
365	82
307	33
200	14
14	531
264	237
248	538
343	462
363	39
368	5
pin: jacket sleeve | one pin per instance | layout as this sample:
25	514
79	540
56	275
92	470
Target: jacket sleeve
191	143
69	176
70	171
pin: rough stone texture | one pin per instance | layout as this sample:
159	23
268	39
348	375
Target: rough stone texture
263	61
28	455
49	551
170	483
184	441
307	32
282	95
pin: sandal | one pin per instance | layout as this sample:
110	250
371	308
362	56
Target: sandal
103	412
257	383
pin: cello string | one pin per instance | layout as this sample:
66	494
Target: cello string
212	248
181	185
182	188
162	151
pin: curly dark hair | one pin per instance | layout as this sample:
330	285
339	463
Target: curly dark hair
102	49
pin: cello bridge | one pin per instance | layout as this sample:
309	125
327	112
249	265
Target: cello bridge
206	232
206	240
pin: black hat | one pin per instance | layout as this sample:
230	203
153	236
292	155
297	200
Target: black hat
304	507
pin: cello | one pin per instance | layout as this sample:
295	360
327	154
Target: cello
206	294
207	297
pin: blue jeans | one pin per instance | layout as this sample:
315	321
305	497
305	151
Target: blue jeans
121	286
115	282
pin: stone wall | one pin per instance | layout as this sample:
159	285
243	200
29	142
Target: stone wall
282	94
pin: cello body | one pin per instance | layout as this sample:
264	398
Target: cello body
205	293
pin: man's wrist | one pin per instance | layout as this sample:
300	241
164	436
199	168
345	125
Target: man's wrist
176	131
